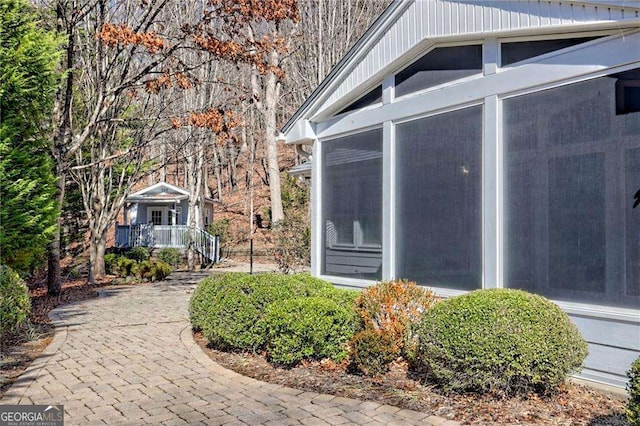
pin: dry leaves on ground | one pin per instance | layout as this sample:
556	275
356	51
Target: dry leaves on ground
573	405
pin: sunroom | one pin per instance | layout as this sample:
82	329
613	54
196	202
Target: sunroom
477	144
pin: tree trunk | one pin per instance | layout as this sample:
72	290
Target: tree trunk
97	246
269	113
54	274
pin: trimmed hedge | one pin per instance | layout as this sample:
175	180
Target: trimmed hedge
633	387
15	304
500	341
307	328
228	308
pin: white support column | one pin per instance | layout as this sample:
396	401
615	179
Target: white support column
316	212
490	56
492	215
388	89
388	202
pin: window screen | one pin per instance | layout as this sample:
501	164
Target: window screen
371	98
521	50
439	66
438	214
571	171
352	206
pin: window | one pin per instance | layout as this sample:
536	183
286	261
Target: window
512	52
571	171
628	92
439	183
352	205
156	217
371	98
439	66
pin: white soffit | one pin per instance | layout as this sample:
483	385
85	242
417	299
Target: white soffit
409	24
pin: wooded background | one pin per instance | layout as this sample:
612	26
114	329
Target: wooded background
191	93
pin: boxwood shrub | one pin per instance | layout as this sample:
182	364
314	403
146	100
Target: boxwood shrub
15	304
633	406
500	341
308	328
228	309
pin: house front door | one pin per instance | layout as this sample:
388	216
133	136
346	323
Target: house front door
158	215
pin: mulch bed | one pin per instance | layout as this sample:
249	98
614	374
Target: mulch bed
573	405
19	350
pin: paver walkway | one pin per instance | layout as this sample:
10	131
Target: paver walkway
129	357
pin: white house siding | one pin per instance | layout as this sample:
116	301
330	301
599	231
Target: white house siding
424	20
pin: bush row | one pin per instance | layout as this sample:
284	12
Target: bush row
291	317
499	341
137	263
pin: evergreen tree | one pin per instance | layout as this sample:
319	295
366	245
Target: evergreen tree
28	58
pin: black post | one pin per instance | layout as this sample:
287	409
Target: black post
251	256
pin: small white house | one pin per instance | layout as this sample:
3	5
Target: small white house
470	144
164	204
158	216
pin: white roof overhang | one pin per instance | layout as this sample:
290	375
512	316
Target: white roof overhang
408	28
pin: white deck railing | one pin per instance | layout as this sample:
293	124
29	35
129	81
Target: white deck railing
160	236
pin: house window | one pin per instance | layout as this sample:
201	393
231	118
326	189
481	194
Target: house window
438	187
571	172
371	98
156	217
512	52
439	66
352	205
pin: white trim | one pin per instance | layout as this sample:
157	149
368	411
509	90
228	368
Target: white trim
600	312
491	214
163	209
317	234
158	185
388	201
575	65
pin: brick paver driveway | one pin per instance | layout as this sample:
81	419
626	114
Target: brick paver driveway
129	357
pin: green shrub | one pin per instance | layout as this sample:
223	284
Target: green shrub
227	308
171	256
123	266
15	304
308	328
633	387
392	307
500	341
220	228
151	270
139	254
110	263
371	352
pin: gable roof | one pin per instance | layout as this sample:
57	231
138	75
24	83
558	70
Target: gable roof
161	189
407	28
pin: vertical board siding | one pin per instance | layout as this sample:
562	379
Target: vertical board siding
441	18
